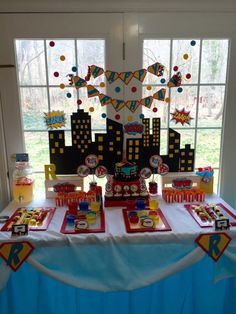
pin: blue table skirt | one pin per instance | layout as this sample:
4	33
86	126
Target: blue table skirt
191	291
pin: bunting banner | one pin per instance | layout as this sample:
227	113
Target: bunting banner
132	105
160	95
140	74
175	80
111	76
147	101
119	104
104	99
156	69
126	77
96	71
78	81
92	91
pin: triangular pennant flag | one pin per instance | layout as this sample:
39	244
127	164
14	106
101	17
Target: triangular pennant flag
104	99
126	77
111	76
78	82
96	71
147	101
118	104
175	80
156	69
160	95
140	74
92	91
132	105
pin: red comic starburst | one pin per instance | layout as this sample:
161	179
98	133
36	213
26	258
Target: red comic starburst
181	116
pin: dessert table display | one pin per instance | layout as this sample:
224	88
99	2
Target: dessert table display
119	272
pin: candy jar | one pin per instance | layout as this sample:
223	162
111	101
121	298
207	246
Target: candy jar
23	181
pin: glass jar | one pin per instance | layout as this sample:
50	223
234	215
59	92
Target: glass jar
23	182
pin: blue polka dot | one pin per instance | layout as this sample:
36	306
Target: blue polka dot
141	116
68	95
193	43
74	69
180	89
117	89
104	115
163	80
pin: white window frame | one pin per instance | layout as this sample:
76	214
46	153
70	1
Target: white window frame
193	25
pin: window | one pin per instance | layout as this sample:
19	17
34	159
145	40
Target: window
44	86
203	95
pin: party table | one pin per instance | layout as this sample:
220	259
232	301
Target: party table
120	272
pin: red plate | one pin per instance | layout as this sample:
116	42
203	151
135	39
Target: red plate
225	211
43	227
99	226
162	225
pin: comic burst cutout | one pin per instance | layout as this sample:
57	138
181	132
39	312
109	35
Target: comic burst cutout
181	116
55	119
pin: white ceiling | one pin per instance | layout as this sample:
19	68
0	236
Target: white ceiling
116	5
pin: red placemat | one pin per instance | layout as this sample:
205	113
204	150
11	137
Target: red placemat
98	227
37	212
162	224
207	224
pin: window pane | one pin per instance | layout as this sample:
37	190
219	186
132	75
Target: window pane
90	52
163	144
162	107
211	105
30	62
187	100
190	65
61	59
214	61
156	51
216	180
187	137
60	101
208	148
39	182
96	116
37	147
33	103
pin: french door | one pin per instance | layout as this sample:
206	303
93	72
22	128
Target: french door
198	45
37	52
129	42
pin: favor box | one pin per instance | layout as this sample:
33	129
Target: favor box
207	187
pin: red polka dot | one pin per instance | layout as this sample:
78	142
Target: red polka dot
79	102
175	68
154	109
56	74
188	76
51	43
117	117
134	89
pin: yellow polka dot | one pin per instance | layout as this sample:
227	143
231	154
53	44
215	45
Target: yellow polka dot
102	84
167	99
185	56
62	86
130	118
62	58
149	87
91	109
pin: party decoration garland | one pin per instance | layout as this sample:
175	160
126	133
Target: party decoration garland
117	104
111	76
